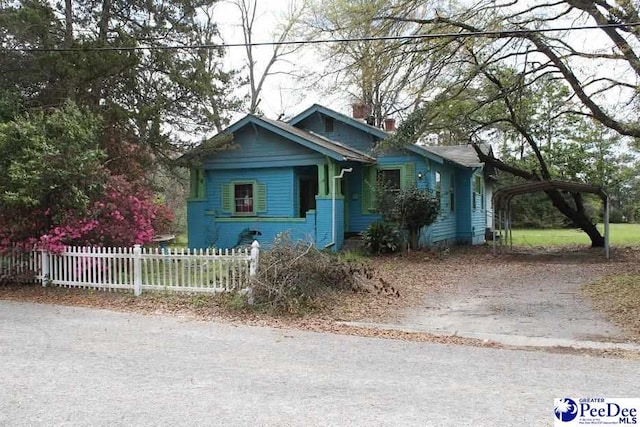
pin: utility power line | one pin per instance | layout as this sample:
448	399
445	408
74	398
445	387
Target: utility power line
459	35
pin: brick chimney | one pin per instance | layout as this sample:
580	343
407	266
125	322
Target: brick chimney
389	124
361	111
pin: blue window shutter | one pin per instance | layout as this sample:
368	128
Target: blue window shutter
227	198
261	197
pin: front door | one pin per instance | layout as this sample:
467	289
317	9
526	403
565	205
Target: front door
308	191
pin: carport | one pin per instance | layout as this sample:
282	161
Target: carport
502	206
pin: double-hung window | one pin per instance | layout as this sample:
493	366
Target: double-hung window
390	178
393	177
438	186
243	196
477	191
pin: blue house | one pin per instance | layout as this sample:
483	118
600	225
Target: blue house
314	177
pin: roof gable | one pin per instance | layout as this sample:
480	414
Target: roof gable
350	121
312	141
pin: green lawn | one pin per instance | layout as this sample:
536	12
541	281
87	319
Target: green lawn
621	234
180	241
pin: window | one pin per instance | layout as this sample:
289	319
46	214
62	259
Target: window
328	124
390	178
396	177
243	196
438	185
452	194
477	191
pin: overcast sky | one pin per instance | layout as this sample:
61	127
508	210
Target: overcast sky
282	93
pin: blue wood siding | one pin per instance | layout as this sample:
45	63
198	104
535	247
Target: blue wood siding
209	225
464	192
445	226
280	189
260	148
324	222
342	132
272	160
227	234
359	220
198	225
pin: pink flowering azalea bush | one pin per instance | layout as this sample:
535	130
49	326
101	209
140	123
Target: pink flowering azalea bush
58	188
126	215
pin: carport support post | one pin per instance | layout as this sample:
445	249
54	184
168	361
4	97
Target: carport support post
137	270
606	227
510	229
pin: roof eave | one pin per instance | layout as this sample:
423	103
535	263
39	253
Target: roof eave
426	153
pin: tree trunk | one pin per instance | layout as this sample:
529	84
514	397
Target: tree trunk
577	217
68	14
103	26
413	238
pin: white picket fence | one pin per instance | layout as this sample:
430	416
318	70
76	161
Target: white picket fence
139	269
20	266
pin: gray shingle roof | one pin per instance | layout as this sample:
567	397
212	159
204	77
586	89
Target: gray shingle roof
464	155
346	152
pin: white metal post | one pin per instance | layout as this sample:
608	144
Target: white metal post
510	229
137	270
44	267
606	227
253	271
255	254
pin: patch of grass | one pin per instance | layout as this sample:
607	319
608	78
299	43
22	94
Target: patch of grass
353	257
618	297
621	235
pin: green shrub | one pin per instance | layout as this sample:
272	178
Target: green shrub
411	208
381	237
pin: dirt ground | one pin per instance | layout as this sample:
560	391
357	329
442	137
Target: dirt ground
465	295
524	298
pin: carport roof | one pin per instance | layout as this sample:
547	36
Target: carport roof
502	197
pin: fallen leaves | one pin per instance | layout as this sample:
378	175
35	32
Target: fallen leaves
618	298
401	282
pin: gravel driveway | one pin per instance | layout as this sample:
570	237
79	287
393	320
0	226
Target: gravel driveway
518	300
